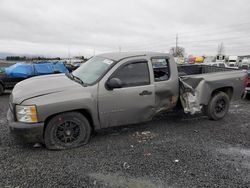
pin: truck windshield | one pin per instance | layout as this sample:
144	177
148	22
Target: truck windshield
93	69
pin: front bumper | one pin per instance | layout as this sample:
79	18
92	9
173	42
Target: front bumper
30	132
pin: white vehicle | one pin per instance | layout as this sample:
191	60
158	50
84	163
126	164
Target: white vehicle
245	66
233	61
245	61
220	59
216	64
209	59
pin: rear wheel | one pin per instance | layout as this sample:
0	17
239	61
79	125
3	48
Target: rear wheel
67	130
1	89
218	106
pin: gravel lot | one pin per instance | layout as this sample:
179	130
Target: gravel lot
4	63
171	151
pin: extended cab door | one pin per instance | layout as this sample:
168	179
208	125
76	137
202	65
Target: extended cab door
134	101
166	83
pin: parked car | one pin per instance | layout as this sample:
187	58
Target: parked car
21	71
246	66
248	85
115	89
72	65
233	61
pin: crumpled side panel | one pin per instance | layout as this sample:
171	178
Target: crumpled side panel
189	97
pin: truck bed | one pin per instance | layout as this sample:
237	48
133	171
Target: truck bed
198	82
200	69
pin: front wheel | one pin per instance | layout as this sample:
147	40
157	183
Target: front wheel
218	106
67	130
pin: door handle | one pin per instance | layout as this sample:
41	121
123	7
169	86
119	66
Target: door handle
145	92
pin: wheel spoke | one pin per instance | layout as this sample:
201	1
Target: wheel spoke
67	132
60	132
220	106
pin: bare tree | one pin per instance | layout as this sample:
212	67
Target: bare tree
177	51
221	49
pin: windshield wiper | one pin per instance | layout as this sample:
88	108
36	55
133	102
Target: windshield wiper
77	79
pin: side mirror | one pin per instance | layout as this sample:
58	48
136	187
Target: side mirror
114	83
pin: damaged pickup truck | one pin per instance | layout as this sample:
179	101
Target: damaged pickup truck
115	89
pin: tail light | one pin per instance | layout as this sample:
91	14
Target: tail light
245	81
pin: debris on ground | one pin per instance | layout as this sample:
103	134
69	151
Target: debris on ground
144	136
147	154
126	165
37	145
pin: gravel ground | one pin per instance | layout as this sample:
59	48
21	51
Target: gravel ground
6	63
171	151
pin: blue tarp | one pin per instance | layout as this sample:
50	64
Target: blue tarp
22	70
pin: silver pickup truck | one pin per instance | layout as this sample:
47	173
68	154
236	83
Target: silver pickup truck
115	89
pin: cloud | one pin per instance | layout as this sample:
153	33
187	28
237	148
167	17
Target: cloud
55	27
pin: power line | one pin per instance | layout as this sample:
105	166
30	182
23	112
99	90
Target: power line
231	43
129	45
184	43
218	27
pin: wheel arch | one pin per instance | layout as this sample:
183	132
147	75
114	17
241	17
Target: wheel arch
84	112
228	90
210	109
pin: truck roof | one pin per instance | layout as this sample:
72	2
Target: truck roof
117	56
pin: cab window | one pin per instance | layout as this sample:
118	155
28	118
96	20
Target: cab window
161	69
133	74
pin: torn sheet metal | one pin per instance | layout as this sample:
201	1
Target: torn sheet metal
189	99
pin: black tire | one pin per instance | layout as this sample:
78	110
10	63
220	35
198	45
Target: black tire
1	89
248	96
67	130
218	106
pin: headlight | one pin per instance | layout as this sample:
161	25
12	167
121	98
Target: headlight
27	114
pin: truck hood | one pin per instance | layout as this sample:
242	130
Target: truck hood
42	85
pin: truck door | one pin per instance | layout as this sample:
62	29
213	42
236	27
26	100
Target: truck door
134	101
166	83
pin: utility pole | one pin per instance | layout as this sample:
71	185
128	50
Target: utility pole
176	44
69	55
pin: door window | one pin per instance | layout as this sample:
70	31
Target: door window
133	74
161	69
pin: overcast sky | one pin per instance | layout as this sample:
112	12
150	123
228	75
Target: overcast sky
85	27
